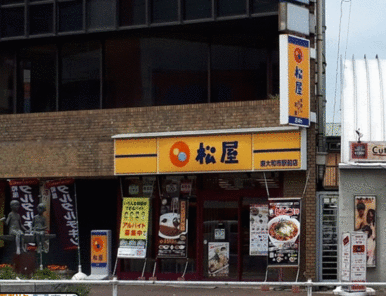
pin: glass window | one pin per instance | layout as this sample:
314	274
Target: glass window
70	16
80	76
164	11
260	6
231	7
162	72
41	19
197	9
132	12
238	73
7	66
101	14
36	79
12	22
177	71
11	1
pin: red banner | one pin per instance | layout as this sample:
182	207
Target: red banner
63	205
27	193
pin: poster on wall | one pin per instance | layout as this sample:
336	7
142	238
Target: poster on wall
218	259
284	232
365	220
134	227
258	230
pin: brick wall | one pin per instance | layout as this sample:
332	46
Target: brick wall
295	186
79	144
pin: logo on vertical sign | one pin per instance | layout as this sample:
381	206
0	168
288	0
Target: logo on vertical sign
298	55
179	154
97	244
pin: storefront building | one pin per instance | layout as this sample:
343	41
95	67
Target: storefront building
362	187
134	99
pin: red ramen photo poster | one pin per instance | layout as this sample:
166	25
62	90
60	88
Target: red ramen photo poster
284	231
365	220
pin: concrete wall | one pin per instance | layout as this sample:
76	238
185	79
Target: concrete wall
364	182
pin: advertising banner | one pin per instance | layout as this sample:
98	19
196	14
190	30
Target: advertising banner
346	257
294	81
218	259
134	227
64	207
258	230
284	232
27	193
365	220
368	151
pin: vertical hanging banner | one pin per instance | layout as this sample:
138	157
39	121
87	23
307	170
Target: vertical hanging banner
284	232
294	81
258	230
173	222
63	204
365	220
134	227
27	193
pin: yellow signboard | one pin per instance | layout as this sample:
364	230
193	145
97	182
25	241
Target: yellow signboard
135	218
139	157
277	151
205	153
294	81
216	153
99	247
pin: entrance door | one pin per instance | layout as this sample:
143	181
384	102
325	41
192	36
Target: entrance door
220	239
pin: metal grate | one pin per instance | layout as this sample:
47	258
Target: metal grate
328	236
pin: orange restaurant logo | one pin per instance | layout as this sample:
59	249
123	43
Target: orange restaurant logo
298	55
179	154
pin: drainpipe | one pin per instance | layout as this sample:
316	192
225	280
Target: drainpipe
321	89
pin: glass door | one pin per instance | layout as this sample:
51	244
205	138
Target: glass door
220	239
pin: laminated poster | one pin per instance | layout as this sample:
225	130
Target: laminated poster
258	228
218	259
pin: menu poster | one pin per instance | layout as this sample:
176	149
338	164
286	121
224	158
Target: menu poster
173	228
258	230
358	260
283	232
345	259
218	259
134	227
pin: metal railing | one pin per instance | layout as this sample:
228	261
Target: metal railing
308	285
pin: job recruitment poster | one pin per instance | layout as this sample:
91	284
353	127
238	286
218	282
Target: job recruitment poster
134	227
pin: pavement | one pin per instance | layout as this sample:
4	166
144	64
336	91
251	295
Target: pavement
174	290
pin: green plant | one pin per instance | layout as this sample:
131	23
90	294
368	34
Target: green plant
7	273
45	274
79	289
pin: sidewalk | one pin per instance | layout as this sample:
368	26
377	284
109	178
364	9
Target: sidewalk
156	290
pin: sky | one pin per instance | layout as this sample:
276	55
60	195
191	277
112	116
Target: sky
366	29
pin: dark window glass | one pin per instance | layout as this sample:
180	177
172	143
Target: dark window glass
12	22
36	79
198	9
100	14
164	11
238	73
162	72
11	1
80	77
260	6
7	66
178	71
132	12
70	16
41	19
231	7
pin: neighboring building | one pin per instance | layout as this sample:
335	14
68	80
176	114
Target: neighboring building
362	192
79	77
